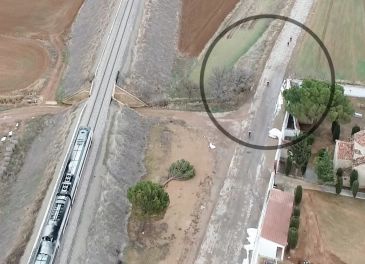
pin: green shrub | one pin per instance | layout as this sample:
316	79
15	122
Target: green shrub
292	237
303	168
355	188
339	184
324	166
336	129
339	172
310	139
353	177
296	211
298	194
148	198
355	129
181	169
333	125
294	222
288	166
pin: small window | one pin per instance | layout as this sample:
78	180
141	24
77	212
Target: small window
279	252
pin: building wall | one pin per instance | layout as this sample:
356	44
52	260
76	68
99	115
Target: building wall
360	148
267	248
339	163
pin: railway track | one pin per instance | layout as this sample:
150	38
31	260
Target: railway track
93	119
108	78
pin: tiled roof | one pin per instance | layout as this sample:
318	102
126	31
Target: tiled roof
359	137
277	217
344	151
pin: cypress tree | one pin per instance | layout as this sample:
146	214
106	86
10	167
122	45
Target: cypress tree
355	188
298	194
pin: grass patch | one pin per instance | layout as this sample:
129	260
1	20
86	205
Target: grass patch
340	25
229	50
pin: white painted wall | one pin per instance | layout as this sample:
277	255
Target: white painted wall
267	248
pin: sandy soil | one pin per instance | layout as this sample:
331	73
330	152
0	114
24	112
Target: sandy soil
37	31
325	234
176	237
199	21
9	118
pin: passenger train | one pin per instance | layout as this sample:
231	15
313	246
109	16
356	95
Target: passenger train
60	209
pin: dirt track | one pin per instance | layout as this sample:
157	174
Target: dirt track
28	33
199	21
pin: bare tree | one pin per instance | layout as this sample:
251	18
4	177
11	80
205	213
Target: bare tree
218	82
191	88
226	84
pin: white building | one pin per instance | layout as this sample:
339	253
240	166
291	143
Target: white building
274	233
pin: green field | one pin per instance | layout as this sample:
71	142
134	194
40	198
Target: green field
230	49
341	26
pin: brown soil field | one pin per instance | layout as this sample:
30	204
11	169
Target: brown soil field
22	62
30	33
36	19
199	21
330	229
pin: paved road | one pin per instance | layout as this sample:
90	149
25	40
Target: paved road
241	197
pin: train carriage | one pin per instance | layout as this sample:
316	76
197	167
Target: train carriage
59	211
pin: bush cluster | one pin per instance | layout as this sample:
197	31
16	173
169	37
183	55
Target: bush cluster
182	170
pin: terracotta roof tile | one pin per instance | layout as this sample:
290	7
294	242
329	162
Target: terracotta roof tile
359	137
344	150
277	217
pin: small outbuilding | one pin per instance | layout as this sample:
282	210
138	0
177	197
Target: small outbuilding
274	233
350	155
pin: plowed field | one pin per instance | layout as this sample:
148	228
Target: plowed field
28	33
199	21
22	62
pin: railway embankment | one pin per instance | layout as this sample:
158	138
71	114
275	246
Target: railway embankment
28	173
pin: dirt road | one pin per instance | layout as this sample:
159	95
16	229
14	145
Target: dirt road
241	197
